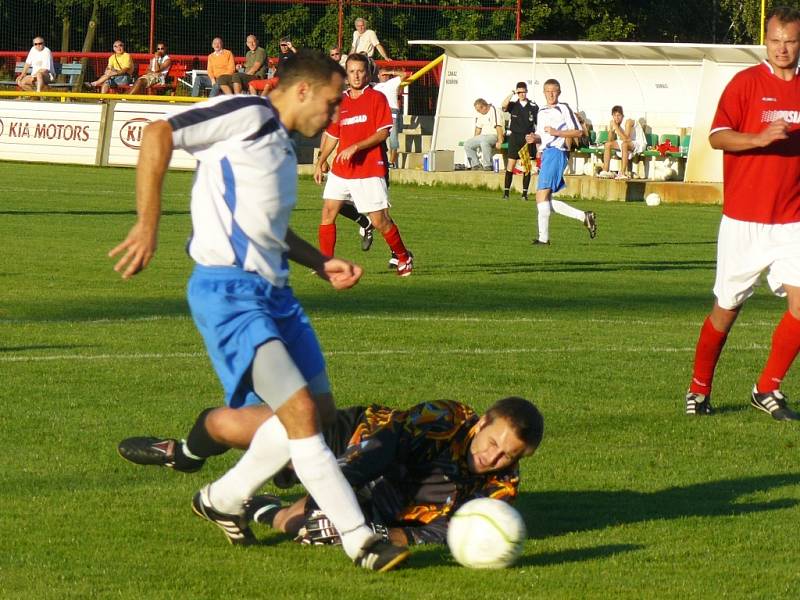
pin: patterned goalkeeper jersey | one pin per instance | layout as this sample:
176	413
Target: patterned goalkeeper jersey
410	470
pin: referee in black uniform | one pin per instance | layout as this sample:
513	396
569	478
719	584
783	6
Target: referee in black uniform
523	123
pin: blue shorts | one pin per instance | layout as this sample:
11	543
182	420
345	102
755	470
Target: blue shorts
551	175
236	312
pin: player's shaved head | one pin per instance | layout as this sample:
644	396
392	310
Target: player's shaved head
784	14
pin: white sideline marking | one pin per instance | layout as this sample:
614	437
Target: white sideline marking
416	351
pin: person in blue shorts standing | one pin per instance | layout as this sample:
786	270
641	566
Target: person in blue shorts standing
258	337
556	123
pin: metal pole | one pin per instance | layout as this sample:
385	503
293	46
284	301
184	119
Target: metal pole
519	20
761	21
340	37
152	23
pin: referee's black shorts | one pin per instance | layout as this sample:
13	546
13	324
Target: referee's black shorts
515	143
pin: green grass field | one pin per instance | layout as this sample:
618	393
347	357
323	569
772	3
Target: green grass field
626	498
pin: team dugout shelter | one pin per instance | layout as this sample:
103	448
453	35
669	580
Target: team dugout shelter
673	87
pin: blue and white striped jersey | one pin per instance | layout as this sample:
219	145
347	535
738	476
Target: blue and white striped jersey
560	117
245	185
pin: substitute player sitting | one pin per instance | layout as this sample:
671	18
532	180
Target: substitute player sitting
412	469
360	168
758	128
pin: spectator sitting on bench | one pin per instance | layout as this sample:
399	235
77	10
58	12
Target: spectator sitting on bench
220	62
156	71
254	68
488	133
118	72
629	139
40	62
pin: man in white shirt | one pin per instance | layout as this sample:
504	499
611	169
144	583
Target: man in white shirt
40	63
489	132
389	81
258	337
156	72
365	41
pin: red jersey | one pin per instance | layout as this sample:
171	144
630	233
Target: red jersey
358	120
762	185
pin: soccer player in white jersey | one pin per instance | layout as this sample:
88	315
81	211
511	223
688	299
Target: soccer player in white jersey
556	122
257	335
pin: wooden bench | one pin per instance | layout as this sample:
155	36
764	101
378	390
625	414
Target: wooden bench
72	70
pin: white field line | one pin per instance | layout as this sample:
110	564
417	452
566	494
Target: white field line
405	351
397	318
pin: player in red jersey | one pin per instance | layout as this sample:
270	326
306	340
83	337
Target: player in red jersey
757	126
359	169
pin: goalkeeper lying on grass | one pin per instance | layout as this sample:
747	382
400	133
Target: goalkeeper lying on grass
412	469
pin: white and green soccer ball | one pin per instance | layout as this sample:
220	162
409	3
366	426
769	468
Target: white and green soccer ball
486	534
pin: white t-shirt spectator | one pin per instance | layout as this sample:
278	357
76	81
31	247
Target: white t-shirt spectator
40	59
488	123
155	66
389	89
365	42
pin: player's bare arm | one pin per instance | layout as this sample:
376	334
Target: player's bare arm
341	274
737	141
328	146
376	138
139	247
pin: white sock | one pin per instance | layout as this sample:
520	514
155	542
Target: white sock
543	209
562	208
318	471
268	453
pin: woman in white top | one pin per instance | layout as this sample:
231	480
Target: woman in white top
40	63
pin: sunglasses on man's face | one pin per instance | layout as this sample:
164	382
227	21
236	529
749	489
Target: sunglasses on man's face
38	43
161	48
522	91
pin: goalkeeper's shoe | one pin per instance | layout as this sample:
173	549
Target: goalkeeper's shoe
234	527
379	555
774	404
262	508
366	234
698	404
158	451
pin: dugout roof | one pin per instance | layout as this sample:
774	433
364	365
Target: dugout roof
611	51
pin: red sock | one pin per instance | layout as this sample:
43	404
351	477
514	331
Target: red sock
395	242
327	239
706	355
785	345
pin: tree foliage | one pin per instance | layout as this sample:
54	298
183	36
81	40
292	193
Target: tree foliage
189	25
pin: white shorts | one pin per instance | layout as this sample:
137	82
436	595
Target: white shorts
369	194
638	147
745	250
